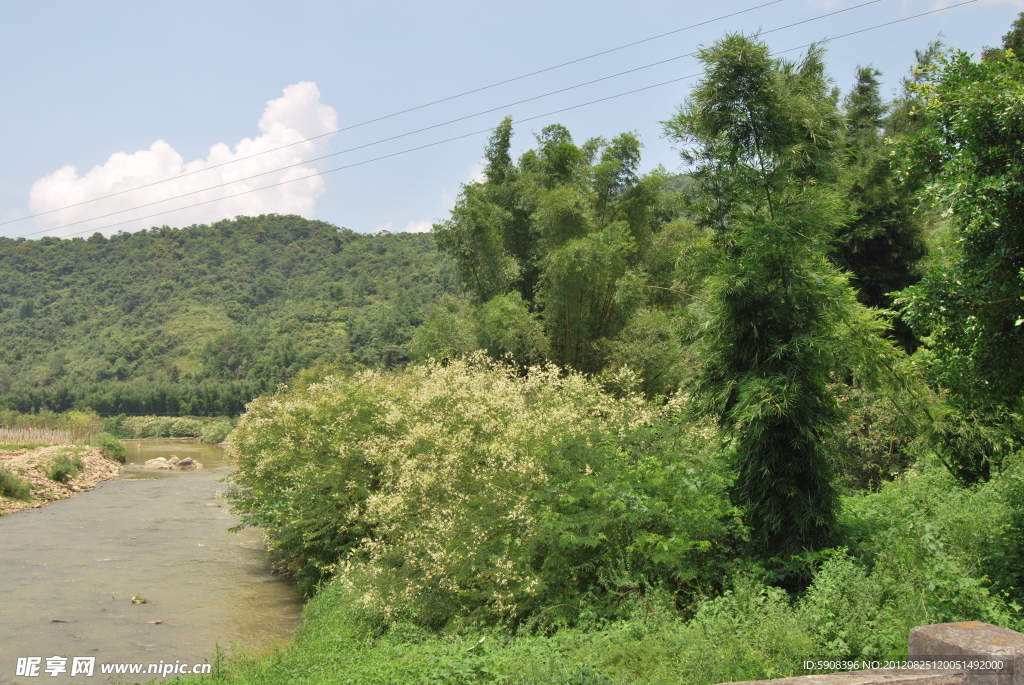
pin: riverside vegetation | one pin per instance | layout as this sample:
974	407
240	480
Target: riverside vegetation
47	456
45	447
34	475
468	523
669	429
87	426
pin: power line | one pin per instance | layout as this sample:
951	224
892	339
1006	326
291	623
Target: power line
377	159
487	130
405	111
419	130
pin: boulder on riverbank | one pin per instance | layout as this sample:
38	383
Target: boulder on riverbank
173	464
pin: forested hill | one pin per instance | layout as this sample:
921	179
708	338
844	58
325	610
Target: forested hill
201	319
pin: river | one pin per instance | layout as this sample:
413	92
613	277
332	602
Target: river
69	571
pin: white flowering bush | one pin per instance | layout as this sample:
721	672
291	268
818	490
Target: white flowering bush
471	490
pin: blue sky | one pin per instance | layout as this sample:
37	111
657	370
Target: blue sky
90	89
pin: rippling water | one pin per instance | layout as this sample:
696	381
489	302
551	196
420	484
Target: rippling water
68	572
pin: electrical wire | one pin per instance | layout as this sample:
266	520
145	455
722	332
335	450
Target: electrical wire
409	133
488	130
406	111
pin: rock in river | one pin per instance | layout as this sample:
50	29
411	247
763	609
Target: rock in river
173	464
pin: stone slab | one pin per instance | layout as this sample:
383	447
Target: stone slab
872	677
972	640
955	643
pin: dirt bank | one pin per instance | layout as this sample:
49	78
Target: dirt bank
32	465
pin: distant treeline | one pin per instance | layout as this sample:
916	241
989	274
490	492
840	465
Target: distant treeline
207	398
201	319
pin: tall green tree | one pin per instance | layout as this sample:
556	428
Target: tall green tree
970	314
884	241
765	139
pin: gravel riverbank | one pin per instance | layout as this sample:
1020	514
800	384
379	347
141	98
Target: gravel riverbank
32	466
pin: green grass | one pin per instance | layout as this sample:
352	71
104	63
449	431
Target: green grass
752	633
12	446
912	548
336	645
12	486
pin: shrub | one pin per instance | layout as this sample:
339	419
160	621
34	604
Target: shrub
642	511
185	427
114	425
209	429
81	424
920	536
468	489
157	427
12	486
144	427
65	468
111	447
216	431
873	444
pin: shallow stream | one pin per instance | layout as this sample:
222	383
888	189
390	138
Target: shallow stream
69	570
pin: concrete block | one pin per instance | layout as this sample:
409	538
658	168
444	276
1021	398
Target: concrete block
972	641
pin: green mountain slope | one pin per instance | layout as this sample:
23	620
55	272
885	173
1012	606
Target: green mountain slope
202	318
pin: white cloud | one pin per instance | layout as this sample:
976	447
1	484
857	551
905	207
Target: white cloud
476	172
448	200
297	115
418	227
383	228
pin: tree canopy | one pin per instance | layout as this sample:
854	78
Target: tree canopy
569	255
970	311
204	318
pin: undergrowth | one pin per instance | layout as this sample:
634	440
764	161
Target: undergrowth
12	486
208	429
65	468
111	447
751	631
465	524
